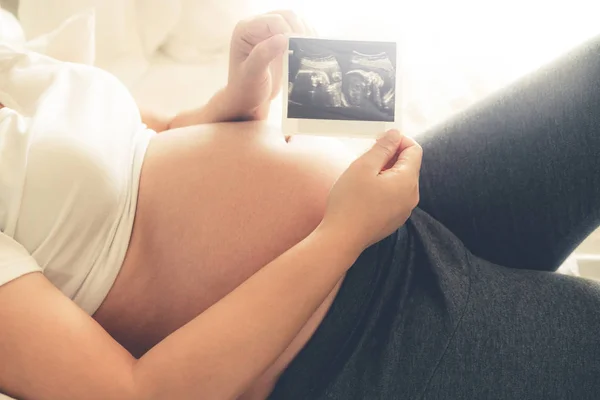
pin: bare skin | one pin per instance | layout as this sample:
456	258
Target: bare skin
216	203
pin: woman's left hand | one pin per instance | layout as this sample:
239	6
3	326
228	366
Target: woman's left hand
256	61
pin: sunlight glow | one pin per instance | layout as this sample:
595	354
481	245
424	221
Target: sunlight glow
454	52
506	35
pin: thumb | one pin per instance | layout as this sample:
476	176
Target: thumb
382	152
264	53
410	156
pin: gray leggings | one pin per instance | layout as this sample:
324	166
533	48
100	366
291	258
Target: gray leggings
433	312
517	177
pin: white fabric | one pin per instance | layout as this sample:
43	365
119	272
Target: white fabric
131	34
115	33
71	148
10	29
72	41
204	28
155	20
118	47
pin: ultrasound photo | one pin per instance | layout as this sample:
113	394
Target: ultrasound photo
341	80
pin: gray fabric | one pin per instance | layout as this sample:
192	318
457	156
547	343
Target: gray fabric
524	335
428	313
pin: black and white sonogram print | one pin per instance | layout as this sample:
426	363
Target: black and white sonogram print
342	80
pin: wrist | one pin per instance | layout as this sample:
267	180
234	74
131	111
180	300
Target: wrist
216	110
221	107
346	243
240	112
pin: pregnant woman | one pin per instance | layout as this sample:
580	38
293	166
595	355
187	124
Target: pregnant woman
225	261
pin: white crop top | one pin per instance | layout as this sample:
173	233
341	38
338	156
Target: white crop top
71	149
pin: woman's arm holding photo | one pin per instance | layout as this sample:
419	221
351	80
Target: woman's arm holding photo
50	349
255	74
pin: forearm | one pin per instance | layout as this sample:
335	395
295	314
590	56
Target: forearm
222	351
215	356
222	107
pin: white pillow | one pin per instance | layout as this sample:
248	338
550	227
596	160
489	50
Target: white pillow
113	32
10	29
155	19
115	28
73	41
204	28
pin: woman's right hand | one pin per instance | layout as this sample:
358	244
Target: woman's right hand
378	192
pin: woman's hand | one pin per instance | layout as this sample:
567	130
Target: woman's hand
256	63
255	71
377	193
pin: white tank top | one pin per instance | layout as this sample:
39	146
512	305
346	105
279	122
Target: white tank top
71	149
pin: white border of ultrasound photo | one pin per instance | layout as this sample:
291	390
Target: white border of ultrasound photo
339	128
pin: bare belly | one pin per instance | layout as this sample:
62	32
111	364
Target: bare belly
216	203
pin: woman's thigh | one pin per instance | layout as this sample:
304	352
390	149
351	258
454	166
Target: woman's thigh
524	335
517	177
436	322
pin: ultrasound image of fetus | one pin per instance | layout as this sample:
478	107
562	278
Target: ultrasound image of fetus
341	80
361	87
318	82
380	74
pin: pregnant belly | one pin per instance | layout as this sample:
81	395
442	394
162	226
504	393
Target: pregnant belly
216	204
